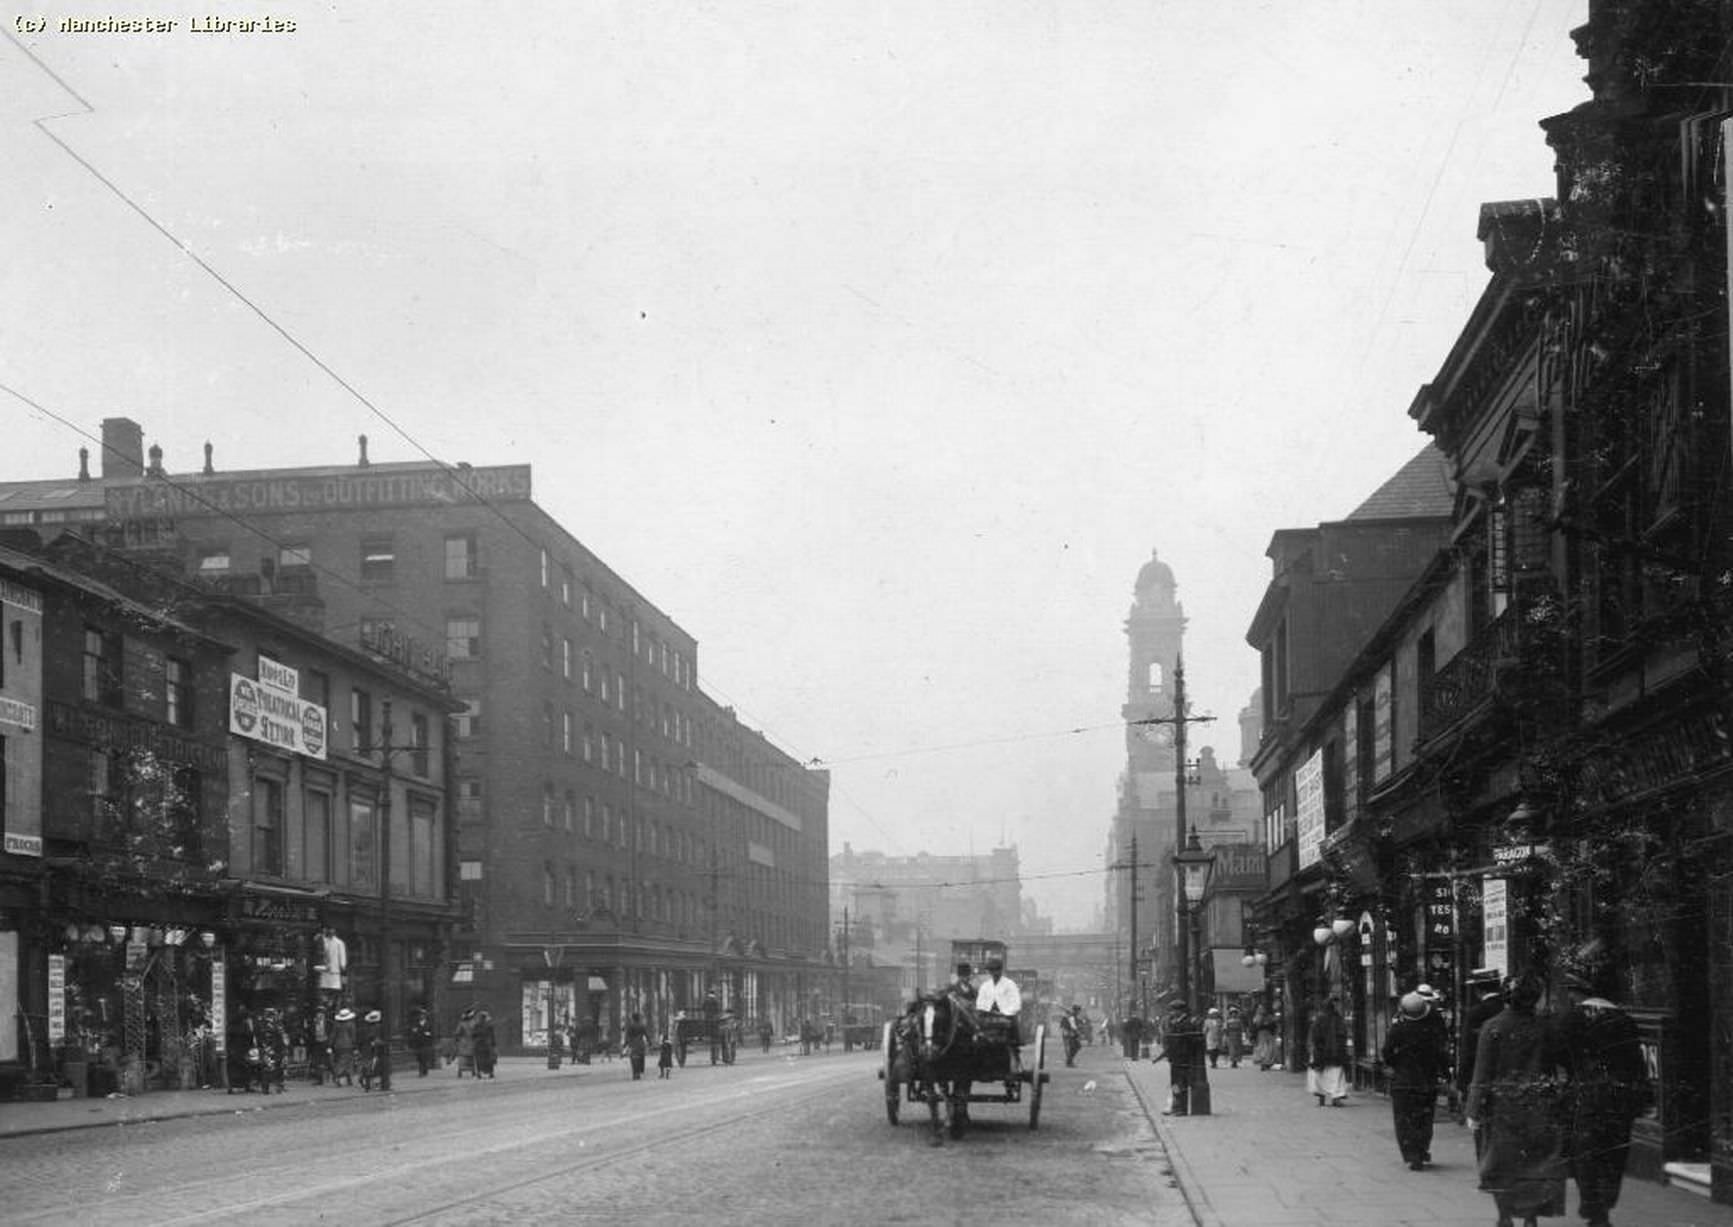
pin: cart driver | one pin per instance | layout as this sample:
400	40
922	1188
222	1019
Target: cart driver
998	993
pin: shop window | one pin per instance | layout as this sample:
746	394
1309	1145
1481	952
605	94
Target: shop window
214	561
469	719
102	667
267	825
293	556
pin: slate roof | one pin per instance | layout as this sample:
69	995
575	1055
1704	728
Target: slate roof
1419	489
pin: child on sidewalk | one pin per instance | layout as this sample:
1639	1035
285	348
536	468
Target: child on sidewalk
665	1059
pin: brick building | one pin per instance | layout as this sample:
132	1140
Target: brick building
586	837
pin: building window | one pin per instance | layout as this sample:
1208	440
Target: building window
566	659
463	638
298	555
316	687
361	721
548	725
571	888
589	674
547	805
460	557
589	743
566	732
418	754
469	871
589	817
547	884
620	690
214	561
267	825
316	819
102	672
186	813
635	636
423	854
378	560
547	649
567	806
602	616
363	844
587	602
566	588
178	692
469	788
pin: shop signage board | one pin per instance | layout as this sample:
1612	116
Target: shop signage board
19	715
187	497
23	845
56	999
1495	924
1309	809
278	718
1382	740
220	1005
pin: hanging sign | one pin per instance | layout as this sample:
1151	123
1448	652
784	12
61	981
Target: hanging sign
56	999
276	717
1495	925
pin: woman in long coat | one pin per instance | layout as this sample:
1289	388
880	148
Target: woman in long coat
464	1038
485	1051
1264	1043
1327	1055
1513	1107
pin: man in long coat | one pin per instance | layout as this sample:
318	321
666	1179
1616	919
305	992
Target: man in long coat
1515	1098
1419	1058
1609	1089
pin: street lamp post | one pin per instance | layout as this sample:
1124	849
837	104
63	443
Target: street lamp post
1193	865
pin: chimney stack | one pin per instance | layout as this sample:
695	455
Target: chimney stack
122	448
362	440
155	469
208	469
84	464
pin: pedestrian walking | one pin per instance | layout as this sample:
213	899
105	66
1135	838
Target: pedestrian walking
637	1045
765	1032
373	1045
273	1052
246	1058
486	1049
665	1057
420	1037
319	1046
1486	987
1213	1027
1327	1055
1264	1038
1609	1088
1515	1097
465	1042
1419	1060
343	1047
1234	1037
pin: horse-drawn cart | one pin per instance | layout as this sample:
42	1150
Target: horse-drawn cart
720	1033
944	1055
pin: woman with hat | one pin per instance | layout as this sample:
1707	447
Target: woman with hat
1327	1055
1419	1059
1514	1099
465	1037
343	1047
373	1050
485	1051
1212	1036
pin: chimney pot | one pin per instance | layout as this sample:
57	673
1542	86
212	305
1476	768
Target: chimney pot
208	469
362	440
84	464
156	460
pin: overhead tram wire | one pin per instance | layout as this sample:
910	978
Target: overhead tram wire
451	471
191	492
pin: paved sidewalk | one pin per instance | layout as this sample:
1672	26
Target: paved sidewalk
1268	1156
19	1119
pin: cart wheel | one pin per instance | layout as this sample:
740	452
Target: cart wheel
893	1088
680	1052
1038	1076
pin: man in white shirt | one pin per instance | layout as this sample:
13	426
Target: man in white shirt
998	993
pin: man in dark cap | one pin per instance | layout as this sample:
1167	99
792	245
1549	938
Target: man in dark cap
1609	1089
1488	999
1182	1045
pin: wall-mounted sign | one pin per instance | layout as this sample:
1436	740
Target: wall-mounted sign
190	496
56	999
1382	739
1309	809
276	718
23	845
1495	925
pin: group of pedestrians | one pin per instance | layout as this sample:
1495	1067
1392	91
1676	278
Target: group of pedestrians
1548	1097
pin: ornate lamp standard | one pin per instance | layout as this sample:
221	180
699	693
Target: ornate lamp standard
1194	864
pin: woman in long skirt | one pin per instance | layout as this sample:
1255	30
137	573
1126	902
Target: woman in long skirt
1327	1058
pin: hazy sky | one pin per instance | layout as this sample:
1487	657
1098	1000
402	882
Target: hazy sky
876	343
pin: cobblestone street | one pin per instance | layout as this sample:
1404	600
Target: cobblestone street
773	1139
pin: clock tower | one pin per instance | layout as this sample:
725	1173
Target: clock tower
1154	631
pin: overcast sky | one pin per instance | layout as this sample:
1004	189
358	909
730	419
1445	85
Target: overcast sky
878	344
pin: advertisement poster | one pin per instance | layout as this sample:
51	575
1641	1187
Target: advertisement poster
1309	809
1496	926
220	1005
56	999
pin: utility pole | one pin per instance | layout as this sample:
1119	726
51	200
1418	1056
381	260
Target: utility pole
386	752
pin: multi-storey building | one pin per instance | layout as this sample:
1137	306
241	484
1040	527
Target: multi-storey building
1526	766
580	782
